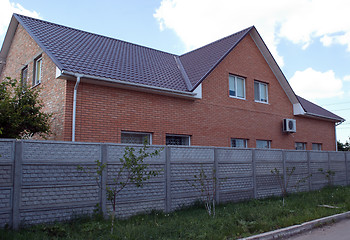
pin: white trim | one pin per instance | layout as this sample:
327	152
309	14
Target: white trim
38	77
198	91
298	109
304	146
58	72
260	90
261	140
244	140
319	146
132	86
235	77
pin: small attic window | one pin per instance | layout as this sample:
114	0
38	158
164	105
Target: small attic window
24	76
260	92
37	70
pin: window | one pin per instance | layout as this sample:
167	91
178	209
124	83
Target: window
300	146
24	75
239	143
37	71
317	146
136	137
263	144
177	140
260	92
237	86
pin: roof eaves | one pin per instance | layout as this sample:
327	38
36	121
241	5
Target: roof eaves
324	117
135	86
223	56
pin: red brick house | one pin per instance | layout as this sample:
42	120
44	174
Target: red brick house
228	93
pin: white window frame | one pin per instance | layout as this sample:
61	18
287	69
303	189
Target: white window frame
178	135
303	144
319	146
136	133
261	140
234	78
260	89
38	75
24	80
245	142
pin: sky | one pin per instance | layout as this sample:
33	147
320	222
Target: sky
309	39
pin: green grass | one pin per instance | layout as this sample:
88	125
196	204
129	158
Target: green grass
232	220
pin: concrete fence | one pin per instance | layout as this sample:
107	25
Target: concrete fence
40	182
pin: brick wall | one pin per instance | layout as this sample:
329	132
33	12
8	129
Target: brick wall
103	112
23	52
40	182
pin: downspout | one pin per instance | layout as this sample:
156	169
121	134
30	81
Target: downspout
75	105
335	133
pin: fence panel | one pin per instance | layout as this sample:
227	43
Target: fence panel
40	181
7	151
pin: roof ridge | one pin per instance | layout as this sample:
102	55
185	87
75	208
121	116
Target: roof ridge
96	34
211	43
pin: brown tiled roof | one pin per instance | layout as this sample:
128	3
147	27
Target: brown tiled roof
317	111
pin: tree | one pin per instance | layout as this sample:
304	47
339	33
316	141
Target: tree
206	185
132	170
21	111
344	146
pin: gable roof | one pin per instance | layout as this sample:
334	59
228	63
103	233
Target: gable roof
200	62
98	57
314	110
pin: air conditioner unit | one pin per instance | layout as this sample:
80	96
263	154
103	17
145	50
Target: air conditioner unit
289	125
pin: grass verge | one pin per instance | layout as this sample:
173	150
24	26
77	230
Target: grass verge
233	220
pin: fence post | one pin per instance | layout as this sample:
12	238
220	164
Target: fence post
217	179
284	170
309	170
346	168
104	177
167	176
255	194
17	184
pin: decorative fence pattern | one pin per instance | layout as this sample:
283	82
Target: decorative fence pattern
40	182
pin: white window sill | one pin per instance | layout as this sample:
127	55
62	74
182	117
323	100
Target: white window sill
237	97
261	102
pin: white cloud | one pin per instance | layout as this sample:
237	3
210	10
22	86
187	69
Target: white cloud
198	22
347	78
7	8
312	84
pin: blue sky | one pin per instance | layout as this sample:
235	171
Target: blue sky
310	39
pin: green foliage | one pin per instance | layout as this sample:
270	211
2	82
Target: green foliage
284	184
21	113
344	146
232	221
280	179
206	185
329	175
133	170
